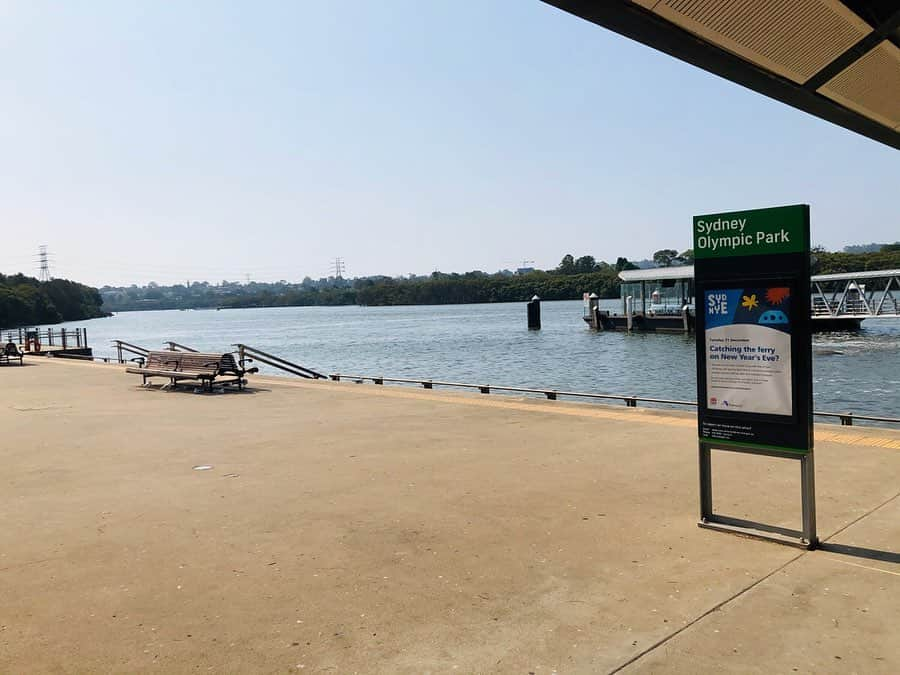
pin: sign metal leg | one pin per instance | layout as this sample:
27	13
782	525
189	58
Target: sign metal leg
805	538
808	490
705	483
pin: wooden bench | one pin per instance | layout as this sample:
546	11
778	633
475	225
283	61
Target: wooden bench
10	352
192	366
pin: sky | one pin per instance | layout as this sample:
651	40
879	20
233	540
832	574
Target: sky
170	142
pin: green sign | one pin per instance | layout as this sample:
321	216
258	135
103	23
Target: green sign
781	229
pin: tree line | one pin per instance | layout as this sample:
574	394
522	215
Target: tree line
25	301
567	281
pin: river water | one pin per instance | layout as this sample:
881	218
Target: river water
489	343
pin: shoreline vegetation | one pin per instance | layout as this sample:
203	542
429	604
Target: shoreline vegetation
568	281
25	301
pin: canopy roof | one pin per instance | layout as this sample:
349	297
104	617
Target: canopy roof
839	61
658	273
687	272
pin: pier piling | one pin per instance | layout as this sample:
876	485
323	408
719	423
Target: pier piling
534	313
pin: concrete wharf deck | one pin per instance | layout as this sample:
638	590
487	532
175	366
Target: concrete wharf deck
351	528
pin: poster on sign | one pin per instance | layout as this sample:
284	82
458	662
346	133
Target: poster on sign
748	350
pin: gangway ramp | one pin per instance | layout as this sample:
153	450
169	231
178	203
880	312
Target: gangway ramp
856	295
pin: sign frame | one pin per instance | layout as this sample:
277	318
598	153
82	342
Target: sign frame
751	276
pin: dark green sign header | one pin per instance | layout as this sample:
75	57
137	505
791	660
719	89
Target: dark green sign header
781	229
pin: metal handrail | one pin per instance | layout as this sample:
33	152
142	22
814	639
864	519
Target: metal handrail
847	418
175	347
248	353
122	346
65	337
553	394
83	357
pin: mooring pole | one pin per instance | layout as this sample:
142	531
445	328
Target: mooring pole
534	313
594	311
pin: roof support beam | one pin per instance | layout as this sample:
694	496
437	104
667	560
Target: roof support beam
857	51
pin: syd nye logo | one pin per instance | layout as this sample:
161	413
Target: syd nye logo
717	304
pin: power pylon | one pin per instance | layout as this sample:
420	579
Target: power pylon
338	268
44	261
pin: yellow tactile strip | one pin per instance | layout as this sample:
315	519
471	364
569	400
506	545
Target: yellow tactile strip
847	438
647	415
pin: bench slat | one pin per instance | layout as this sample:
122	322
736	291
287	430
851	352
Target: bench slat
175	374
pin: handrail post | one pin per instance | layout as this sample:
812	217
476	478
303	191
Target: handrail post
119	350
63	333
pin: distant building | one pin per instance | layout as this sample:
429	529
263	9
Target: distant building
524	270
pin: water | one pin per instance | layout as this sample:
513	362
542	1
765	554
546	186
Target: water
489	343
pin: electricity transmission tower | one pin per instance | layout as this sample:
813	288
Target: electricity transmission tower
44	261
338	268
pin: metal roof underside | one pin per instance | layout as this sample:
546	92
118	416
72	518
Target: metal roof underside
839	61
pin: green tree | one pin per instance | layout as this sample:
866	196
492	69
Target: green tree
664	257
566	265
585	264
624	264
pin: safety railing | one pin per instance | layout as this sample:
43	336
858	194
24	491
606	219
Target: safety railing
82	357
123	347
65	338
847	418
248	354
175	347
553	394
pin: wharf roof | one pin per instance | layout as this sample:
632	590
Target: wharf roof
839	61
687	272
658	273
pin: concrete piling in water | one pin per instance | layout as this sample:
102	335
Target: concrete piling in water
596	321
534	313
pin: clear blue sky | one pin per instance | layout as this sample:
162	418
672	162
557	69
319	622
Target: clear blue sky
208	140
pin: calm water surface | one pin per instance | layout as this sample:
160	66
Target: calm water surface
489	343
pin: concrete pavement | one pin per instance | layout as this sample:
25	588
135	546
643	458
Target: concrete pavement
355	528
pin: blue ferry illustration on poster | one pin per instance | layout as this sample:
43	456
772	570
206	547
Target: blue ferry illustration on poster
748	350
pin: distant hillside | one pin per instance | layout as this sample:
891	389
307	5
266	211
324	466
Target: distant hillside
868	248
833	263
25	301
